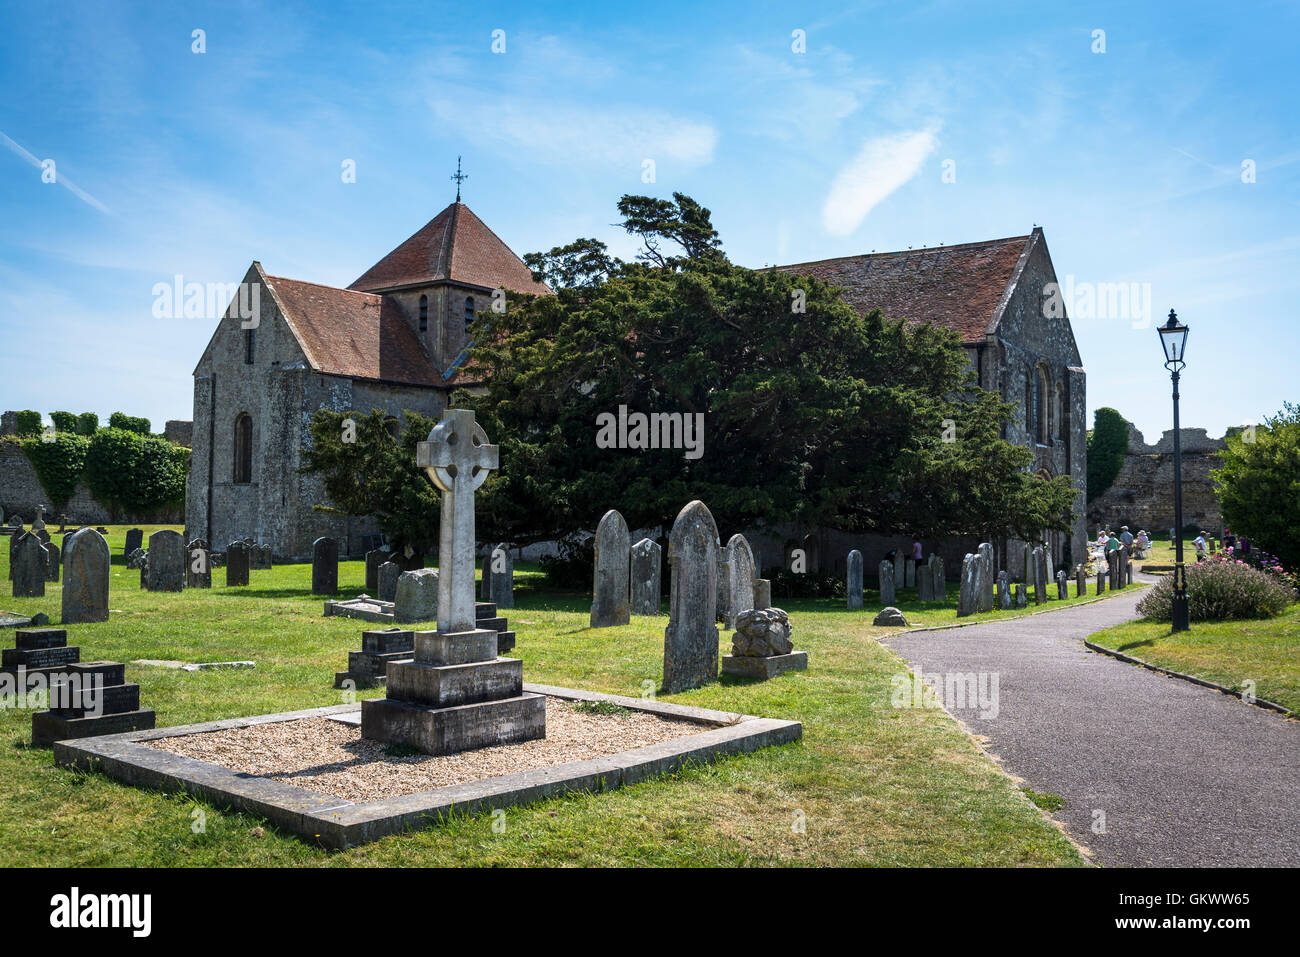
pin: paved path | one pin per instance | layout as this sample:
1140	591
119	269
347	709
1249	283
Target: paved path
1185	775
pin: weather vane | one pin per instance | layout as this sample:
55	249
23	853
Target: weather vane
459	177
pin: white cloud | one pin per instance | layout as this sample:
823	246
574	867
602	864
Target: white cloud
882	165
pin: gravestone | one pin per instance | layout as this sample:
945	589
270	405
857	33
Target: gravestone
389	572
924	583
368	667
1004	590
374	559
502	570
324	566
1080	581
89	699
762	593
853	580
724	585
52	558
985	598
610	604
813	553
1101	581
968	597
740	578
900	572
38	523
691	638
645	582
1022	599
1029	562
885	581
86	569
415	595
939	590
1040	576
909	572
136	559
1128	571
761	646
134	540
1051	565
27	558
259	557
166	568
198	564
1062	590
456	693
236	564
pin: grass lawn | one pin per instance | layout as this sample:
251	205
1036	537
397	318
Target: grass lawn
1227	652
875	785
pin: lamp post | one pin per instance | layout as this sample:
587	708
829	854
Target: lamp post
1173	337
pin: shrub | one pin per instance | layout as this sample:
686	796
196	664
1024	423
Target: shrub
574	568
58	464
27	423
1257	484
129	423
64	421
135	473
1220	589
1107	444
87	423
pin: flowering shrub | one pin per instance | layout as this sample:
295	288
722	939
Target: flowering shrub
1222	588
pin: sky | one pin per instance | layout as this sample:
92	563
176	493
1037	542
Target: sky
1157	144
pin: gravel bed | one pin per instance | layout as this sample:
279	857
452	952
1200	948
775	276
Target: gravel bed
333	758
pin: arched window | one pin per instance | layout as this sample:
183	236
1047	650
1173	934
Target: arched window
469	313
243	449
424	313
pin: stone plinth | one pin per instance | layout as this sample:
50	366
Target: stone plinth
92	699
746	666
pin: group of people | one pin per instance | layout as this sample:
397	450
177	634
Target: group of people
1137	544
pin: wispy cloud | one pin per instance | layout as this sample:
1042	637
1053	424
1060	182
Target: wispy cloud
882	165
59	178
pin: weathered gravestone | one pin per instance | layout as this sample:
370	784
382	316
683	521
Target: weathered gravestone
1040	576
324	566
939	587
27	560
885	581
853	579
1080	581
691	638
972	584
1062	589
415	595
1128	570
137	559
134	540
1101	580
198	564
86	566
762	593
610	604
740	578
924	583
909	572
1022	599
900	573
389	572
501	566
259	557
985	598
236	564
1004	590
724	585
645	581
52	558
457	693
166	568
374	559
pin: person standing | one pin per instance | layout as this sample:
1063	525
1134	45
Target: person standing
1125	535
1199	544
918	552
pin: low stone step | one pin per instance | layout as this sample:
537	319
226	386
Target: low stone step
113	699
484	609
48	727
29	639
40	657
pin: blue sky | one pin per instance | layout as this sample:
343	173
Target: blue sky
173	162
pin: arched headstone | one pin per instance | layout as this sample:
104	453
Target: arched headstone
610	604
691	638
86	564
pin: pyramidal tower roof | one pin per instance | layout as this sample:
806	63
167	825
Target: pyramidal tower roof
454	246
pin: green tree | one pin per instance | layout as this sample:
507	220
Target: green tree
64	421
27	423
87	423
1107	445
129	423
135	474
1259	485
369	470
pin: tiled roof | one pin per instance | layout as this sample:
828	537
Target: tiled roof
355	334
960	287
455	245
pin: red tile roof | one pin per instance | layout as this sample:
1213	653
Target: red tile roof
355	334
455	245
961	287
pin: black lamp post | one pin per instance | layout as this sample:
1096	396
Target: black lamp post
1173	336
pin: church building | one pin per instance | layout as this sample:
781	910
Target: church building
392	340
